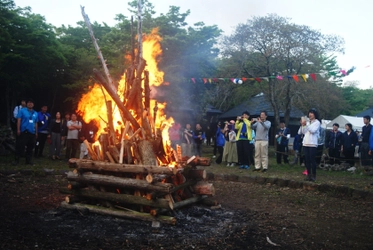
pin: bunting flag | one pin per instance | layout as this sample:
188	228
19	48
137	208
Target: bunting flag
304	77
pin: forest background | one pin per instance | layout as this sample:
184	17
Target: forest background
53	65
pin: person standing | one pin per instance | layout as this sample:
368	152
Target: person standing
334	144
261	126
198	136
282	137
187	141
243	137
320	145
348	142
43	125
364	145
15	113
220	142
27	132
55	132
72	139
311	134
64	130
174	133
209	135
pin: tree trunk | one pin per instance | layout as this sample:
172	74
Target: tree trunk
203	187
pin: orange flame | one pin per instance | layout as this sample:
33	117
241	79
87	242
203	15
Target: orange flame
92	105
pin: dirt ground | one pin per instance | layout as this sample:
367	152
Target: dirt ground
252	216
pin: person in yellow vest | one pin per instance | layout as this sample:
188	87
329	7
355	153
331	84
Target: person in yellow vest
243	137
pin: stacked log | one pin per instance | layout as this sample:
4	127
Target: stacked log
114	189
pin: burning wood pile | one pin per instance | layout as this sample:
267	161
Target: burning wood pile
132	172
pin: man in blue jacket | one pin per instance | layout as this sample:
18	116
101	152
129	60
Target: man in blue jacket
27	132
44	119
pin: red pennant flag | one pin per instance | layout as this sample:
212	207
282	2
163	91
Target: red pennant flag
244	78
204	80
258	79
193	80
313	76
295	77
215	80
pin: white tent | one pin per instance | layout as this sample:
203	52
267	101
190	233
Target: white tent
357	122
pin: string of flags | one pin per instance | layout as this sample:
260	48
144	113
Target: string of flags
304	77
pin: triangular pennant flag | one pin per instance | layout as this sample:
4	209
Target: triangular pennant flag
265	78
289	77
272	77
226	79
295	77
232	80
343	72
251	79
244	78
258	79
204	80
193	80
210	80
304	76
279	77
313	76
323	75
215	80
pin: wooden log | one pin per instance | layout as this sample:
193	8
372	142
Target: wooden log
134	134
152	178
118	182
124	111
114	152
91	153
96	149
73	199
147	153
184	185
104	142
189	201
75	185
89	165
109	108
200	161
128	214
203	187
98	50
195	174
121	198
108	155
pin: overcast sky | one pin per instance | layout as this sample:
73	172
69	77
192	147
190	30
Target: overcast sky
351	20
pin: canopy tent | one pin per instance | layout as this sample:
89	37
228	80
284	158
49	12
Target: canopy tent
357	122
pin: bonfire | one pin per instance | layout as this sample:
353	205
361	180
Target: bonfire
133	172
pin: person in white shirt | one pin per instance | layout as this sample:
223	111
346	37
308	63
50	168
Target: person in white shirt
310	142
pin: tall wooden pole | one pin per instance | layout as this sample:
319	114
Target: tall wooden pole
100	56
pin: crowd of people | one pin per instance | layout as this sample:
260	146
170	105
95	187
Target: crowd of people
243	142
34	130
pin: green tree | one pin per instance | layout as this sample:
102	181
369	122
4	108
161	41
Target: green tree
272	45
30	56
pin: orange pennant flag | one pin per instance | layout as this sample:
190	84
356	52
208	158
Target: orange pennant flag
204	80
243	78
295	77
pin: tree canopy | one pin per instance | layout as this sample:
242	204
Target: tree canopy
53	65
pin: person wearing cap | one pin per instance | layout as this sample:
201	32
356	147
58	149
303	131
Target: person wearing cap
364	145
261	126
333	144
243	138
27	131
310	142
